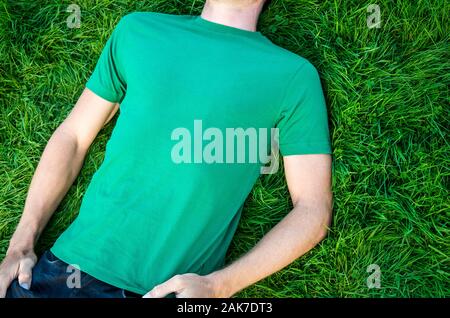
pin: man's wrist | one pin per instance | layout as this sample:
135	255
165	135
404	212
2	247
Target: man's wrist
220	284
23	239
20	247
223	282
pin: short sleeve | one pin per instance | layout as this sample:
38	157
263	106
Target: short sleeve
303	123
108	80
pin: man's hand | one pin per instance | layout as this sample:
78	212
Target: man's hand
58	167
16	265
186	286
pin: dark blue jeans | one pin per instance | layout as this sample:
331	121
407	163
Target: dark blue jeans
50	279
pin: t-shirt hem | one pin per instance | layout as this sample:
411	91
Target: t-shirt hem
94	270
304	149
103	93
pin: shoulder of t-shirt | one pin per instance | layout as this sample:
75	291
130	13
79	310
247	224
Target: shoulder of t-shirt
300	76
300	72
292	64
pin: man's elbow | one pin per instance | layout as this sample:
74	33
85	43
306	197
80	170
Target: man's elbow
322	211
325	223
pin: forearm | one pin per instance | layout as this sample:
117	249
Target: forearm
58	167
302	229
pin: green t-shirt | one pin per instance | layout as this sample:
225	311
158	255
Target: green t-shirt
145	216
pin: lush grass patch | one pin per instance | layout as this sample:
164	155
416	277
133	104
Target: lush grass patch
388	99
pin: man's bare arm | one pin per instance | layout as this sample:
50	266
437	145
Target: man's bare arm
309	182
58	167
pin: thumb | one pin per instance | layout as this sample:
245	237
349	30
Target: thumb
24	275
173	285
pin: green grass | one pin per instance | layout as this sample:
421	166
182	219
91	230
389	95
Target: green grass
388	100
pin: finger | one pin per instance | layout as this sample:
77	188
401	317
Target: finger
25	272
173	285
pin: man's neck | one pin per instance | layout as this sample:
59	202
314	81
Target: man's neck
243	17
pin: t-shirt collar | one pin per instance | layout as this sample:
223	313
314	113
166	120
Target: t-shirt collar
222	28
